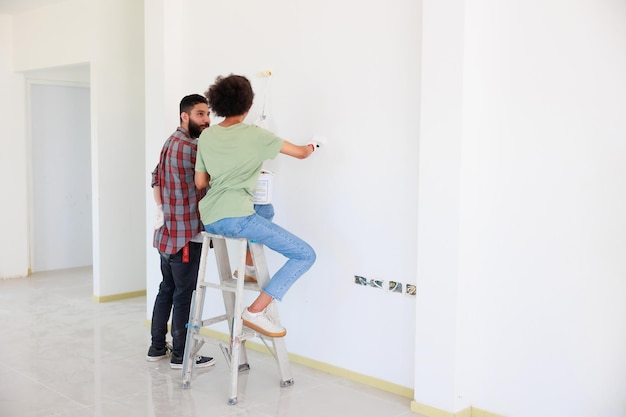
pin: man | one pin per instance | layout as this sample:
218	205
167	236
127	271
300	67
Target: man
177	232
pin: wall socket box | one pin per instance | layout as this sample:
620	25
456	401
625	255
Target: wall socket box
395	286
375	283
392	286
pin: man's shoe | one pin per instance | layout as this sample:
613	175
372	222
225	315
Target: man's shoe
262	323
155	354
176	362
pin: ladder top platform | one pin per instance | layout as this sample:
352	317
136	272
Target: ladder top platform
212	235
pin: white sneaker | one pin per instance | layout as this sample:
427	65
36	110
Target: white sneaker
263	323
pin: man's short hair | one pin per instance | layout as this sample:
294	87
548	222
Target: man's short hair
188	102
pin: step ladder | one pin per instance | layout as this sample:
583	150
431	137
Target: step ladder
233	295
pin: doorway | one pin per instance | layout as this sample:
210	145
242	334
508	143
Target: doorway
61	220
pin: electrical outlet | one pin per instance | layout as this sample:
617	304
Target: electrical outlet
391	286
376	283
395	286
359	280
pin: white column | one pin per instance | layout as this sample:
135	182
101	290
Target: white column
438	209
164	64
118	146
13	171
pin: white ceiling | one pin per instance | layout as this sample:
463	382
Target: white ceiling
18	6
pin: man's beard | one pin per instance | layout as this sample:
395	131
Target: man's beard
195	129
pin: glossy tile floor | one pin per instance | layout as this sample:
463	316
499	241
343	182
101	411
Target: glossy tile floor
64	355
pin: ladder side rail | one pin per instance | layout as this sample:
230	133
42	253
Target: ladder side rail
195	315
195	320
189	341
279	345
224	272
237	326
260	263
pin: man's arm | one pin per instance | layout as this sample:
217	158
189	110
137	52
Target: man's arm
156	189
156	193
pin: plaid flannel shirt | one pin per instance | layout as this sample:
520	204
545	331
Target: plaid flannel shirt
175	176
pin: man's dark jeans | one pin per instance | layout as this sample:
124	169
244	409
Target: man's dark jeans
176	290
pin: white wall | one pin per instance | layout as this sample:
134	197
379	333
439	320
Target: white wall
30	41
14	218
73	74
348	71
53	35
539	207
77	32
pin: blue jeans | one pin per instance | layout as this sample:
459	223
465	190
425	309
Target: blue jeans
175	290
265	210
259	229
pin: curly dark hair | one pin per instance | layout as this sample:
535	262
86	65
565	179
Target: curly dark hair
230	96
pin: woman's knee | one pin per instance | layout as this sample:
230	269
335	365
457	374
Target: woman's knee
310	255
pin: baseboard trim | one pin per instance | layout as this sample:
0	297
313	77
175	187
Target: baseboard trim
423	409
428	411
477	412
117	297
313	364
467	412
321	366
353	376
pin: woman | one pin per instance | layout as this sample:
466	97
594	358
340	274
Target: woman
230	156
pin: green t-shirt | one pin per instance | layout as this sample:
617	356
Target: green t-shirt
233	157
